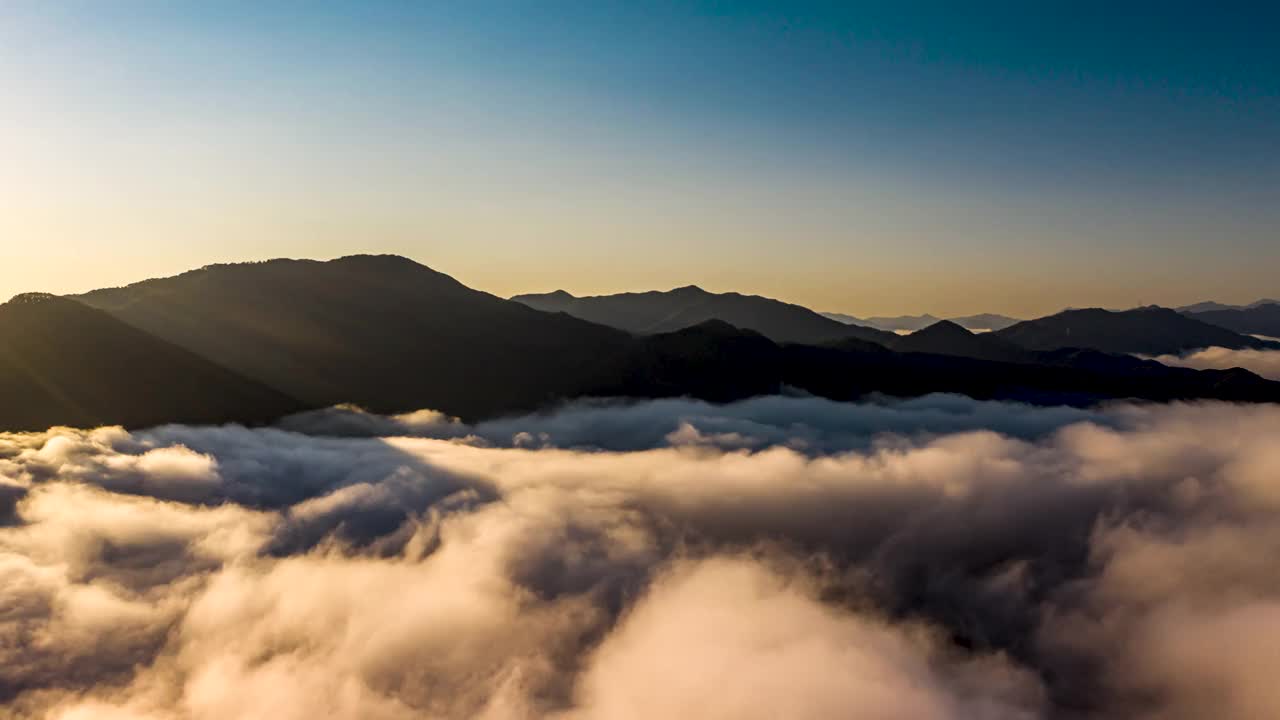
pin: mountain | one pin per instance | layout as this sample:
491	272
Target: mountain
1063	377
648	313
712	360
380	331
946	337
62	363
846	319
237	342
913	323
985	321
1253	320
1205	307
901	323
1148	331
1212	306
718	362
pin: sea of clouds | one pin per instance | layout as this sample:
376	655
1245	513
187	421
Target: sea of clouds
939	558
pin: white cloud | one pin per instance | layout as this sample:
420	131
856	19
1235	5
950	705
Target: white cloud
781	557
1263	362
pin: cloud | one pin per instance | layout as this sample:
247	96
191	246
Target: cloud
740	640
809	424
1263	362
939	558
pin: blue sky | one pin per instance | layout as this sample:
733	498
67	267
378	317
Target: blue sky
864	157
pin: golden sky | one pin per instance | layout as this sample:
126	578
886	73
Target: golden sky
608	152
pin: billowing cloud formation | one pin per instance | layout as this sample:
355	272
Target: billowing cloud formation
808	424
1111	564
1263	362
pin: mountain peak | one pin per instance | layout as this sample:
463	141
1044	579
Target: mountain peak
1150	330
384	263
376	257
947	337
689	290
658	311
716	326
944	328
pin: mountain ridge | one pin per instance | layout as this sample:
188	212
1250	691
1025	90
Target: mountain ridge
245	342
658	311
381	331
913	323
947	337
1257	319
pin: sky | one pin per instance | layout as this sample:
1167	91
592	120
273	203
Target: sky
869	158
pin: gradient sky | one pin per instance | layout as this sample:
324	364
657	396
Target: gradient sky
860	157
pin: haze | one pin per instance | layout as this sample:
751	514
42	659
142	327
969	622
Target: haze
866	159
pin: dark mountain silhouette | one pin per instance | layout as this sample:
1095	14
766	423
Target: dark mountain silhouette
949	338
380	331
1070	377
715	361
62	363
712	360
654	312
1149	331
1255	320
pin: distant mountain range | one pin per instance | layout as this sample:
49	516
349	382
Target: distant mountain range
1261	318
654	312
1149	331
251	342
912	323
1209	306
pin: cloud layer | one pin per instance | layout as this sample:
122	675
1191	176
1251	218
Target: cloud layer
1263	362
941	558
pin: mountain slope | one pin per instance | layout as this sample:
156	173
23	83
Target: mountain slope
660	312
62	363
1148	331
380	331
1254	320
